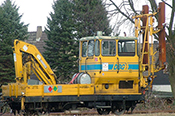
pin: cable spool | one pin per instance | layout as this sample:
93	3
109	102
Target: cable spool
80	78
84	79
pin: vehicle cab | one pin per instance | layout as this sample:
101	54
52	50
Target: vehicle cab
111	62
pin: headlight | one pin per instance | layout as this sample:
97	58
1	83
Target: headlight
22	93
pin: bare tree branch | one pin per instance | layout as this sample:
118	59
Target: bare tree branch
132	6
112	11
153	5
122	12
172	18
125	8
168	4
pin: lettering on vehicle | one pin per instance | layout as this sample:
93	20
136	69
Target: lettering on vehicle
121	67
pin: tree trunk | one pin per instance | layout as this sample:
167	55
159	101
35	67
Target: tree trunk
172	82
171	66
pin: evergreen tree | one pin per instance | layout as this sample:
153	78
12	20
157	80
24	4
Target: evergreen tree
13	28
61	45
5	55
91	17
7	70
10	28
71	20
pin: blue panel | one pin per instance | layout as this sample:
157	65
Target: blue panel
110	66
48	89
91	67
59	89
82	67
133	66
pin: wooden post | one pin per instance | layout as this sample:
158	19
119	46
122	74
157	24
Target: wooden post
144	19
162	42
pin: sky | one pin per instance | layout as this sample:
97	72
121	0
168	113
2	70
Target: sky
35	12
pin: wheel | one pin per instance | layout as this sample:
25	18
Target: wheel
39	113
132	108
103	111
22	112
15	112
118	111
4	108
28	114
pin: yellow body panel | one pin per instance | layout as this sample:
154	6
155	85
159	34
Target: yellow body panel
13	89
40	90
114	89
72	89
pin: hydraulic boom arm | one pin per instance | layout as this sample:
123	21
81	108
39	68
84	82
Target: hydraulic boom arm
35	62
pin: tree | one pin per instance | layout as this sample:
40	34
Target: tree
6	64
11	28
14	28
71	20
5	56
91	17
126	9
170	35
61	44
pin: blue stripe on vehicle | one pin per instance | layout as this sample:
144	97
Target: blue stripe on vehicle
133	66
110	67
91	67
95	67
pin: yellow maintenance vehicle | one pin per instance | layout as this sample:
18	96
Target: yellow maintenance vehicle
114	73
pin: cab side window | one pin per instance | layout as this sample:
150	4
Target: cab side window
84	49
97	48
91	48
108	48
126	48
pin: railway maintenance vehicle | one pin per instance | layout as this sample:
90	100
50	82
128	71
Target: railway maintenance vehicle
114	73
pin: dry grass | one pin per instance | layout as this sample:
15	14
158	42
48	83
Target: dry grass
151	114
153	103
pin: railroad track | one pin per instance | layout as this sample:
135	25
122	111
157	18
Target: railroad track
94	112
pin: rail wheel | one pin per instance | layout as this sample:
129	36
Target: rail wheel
103	111
15	112
118	111
28	114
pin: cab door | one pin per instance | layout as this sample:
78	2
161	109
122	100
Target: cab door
89	57
127	64
127	56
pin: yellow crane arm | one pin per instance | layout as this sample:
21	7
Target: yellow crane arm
21	47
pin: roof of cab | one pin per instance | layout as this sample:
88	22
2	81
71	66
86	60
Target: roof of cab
107	37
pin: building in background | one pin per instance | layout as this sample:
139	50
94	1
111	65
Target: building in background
37	38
